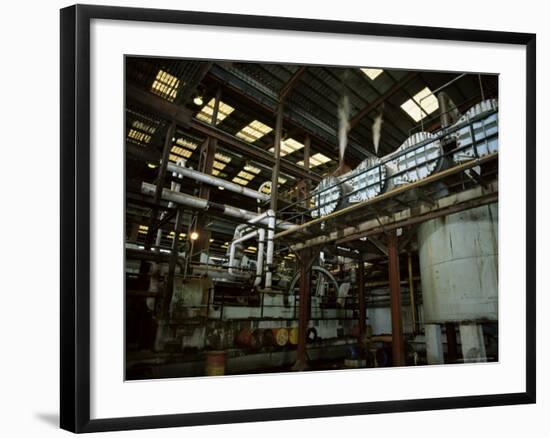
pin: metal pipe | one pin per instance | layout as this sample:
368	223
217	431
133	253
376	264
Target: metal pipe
269	258
203	204
444	86
277	152
387	195
219	182
174	186
445	116
398	345
260	258
233	248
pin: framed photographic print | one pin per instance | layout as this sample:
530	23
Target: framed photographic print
269	218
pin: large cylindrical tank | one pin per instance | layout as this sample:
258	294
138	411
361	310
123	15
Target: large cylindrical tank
459	266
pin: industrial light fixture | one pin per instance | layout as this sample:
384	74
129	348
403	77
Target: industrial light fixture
198	100
151	165
194	235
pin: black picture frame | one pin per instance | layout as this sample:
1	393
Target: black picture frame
75	217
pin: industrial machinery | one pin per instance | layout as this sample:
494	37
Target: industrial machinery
473	135
248	305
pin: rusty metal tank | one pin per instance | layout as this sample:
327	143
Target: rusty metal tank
459	266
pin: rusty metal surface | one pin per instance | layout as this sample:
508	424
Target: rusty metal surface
407	216
340	217
398	345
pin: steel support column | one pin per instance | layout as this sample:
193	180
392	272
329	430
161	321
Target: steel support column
307	182
206	164
362	302
398	345
160	184
305	261
277	146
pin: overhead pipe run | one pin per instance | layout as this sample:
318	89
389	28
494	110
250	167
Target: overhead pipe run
219	182
203	204
260	233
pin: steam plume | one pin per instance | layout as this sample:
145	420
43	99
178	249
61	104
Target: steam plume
377	131
343	126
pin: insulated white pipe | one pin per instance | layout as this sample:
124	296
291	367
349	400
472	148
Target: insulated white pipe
203	204
270	216
269	258
214	181
260	258
232	250
174	186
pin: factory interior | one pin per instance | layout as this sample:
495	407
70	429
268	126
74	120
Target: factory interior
285	218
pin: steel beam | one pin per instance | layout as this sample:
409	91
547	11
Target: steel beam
379	100
398	344
444	206
291	83
182	117
253	152
392	194
157	105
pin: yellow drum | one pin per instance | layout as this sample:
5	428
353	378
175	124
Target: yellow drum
215	363
293	336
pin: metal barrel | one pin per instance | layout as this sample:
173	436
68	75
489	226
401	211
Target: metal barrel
215	363
281	336
293	336
244	338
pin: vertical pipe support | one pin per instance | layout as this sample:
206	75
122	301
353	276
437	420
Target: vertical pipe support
303	311
362	302
277	151
398	345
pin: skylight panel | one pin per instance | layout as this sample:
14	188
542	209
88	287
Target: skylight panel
252	169
143	127
267	188
177	152
254	131
372	73
242	182
186	143
222	157
171	235
289	146
218	173
138	136
218	165
207	111
315	160
421	105
165	85
246	175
